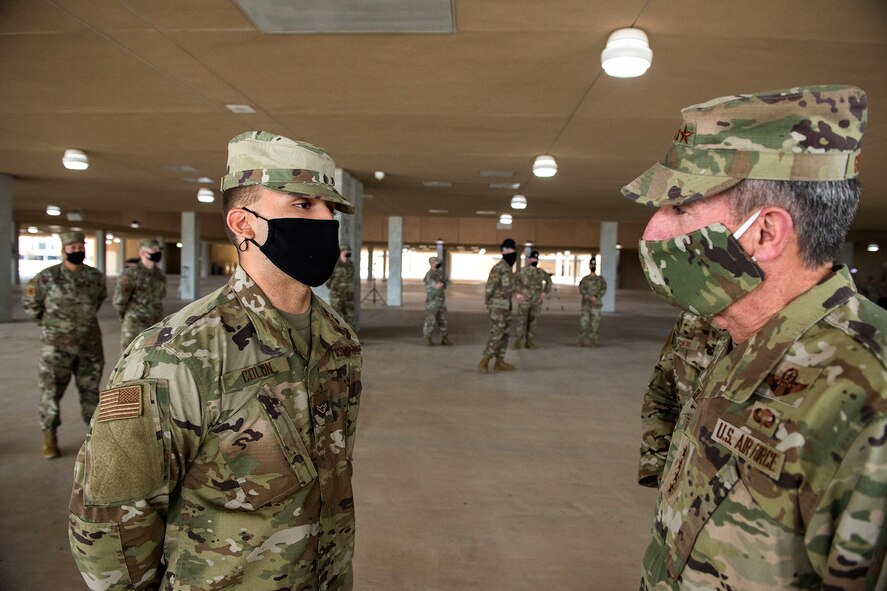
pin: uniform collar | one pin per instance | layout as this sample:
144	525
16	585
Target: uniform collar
272	329
749	363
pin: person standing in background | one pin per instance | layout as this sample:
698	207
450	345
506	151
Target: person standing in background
532	285
138	295
497	297
591	290
64	300
435	303
341	285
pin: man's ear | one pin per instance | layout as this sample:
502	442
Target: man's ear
769	235
239	223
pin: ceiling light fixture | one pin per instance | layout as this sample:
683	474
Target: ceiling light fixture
485	212
545	166
505	219
438	211
628	54
75	160
510	186
240	109
32	230
206	195
518	202
53	210
873	247
437	184
135	224
379	174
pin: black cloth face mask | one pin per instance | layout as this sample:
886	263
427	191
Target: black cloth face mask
305	249
510	258
76	258
154	257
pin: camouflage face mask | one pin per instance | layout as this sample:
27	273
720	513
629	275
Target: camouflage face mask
702	272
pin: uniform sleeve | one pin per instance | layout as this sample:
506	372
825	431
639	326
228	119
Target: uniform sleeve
354	390
846	539
583	288
131	462
603	289
492	282
33	297
548	282
428	281
122	294
659	414
102	292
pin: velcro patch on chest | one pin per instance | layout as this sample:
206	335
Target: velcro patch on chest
240	378
120	403
759	454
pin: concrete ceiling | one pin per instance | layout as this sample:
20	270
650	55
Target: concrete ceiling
142	88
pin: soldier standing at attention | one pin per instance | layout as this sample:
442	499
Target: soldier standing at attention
139	293
220	456
64	300
777	468
532	285
497	297
591	289
341	285
435	303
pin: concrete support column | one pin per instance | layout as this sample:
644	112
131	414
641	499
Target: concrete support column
188	285
204	259
370	264
442	257
8	240
16	269
121	254
101	251
351	229
395	261
609	262
385	265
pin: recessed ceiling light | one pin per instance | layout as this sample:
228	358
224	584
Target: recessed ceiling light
509	186
485	212
438	211
367	195
437	184
180	168
117	241
506	174
240	109
75	215
53	210
201	180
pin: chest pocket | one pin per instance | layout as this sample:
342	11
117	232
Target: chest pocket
684	514
265	453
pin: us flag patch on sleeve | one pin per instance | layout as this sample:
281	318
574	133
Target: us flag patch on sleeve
120	403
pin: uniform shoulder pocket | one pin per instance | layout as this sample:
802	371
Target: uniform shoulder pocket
124	457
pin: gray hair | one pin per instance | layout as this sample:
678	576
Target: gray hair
821	211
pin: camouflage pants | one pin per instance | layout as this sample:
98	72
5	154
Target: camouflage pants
344	307
527	315
589	320
500	319
435	313
56	366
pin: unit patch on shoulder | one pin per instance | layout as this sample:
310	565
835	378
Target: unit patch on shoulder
765	458
120	403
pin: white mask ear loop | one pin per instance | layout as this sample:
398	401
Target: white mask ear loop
745	226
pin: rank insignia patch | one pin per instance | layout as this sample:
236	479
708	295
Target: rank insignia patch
120	403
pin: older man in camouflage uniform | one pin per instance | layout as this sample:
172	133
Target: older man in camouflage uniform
220	456
688	350
64	300
435	303
497	297
531	285
341	285
138	295
777	470
591	291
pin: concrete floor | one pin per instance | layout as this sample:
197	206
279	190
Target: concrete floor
509	481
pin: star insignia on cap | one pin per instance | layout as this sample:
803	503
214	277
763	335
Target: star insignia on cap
683	135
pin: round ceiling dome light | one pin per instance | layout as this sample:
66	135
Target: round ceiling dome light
75	160
519	202
505	219
206	196
545	166
628	54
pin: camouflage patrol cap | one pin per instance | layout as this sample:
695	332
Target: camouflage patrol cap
72	238
345	247
149	243
534	254
283	165
508	243
808	133
432	259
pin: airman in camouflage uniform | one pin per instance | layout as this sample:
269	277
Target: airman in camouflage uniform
777	470
687	352
531	285
591	290
138	295
341	285
497	297
220	455
435	303
64	300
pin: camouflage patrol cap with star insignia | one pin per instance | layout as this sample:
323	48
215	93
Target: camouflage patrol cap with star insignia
283	165
73	237
808	133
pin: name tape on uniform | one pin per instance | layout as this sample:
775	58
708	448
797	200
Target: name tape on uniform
765	457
